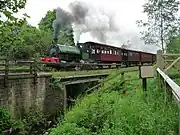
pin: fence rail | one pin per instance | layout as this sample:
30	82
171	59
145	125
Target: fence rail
174	87
20	66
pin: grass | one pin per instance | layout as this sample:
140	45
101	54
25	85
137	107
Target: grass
85	72
110	112
174	75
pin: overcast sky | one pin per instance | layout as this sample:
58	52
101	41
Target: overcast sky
127	12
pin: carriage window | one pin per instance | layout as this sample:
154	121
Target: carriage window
98	51
110	51
115	52
103	51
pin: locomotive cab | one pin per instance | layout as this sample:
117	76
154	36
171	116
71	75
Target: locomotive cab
84	51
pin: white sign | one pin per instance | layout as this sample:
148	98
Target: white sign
146	71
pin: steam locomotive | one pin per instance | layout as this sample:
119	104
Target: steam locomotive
95	55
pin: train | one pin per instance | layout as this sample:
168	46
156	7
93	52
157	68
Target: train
95	55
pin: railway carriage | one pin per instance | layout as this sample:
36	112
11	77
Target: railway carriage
103	53
146	57
134	57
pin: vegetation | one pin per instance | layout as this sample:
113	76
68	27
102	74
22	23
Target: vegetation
34	123
85	72
7	123
173	46
113	111
19	40
162	24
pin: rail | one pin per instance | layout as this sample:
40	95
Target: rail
175	88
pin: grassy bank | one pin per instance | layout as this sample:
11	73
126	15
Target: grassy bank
111	111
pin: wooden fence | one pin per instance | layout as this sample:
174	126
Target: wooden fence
22	68
164	64
167	61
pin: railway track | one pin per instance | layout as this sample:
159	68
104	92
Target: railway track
84	66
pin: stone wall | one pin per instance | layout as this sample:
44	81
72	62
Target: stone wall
22	93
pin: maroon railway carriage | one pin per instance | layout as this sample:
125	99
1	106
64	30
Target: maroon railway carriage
146	57
102	53
105	53
134	57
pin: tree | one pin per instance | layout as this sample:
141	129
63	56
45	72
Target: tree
46	22
162	21
66	34
34	41
9	25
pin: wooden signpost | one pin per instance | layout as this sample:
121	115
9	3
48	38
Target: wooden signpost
146	71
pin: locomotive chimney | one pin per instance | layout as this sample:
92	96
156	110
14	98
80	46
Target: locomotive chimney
76	32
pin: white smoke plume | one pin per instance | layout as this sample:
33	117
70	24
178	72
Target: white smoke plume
98	22
85	18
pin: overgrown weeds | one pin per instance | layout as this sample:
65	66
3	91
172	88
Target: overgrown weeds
111	112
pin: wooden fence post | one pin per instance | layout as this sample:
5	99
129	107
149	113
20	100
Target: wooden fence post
6	71
35	71
160	60
31	68
122	78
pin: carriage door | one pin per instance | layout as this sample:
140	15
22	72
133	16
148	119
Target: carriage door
125	56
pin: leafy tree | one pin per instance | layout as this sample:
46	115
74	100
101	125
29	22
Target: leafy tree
162	21
9	25
46	22
66	34
35	41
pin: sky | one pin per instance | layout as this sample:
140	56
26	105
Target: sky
127	13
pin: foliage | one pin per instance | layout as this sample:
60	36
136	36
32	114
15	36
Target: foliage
7	122
8	7
66	34
162	21
19	40
47	21
54	84
109	112
10	25
34	123
30	41
173	46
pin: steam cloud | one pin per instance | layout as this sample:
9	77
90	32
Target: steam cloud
63	18
85	18
97	22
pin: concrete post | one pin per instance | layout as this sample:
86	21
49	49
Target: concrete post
160	60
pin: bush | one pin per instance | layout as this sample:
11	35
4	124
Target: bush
7	122
5	119
112	113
